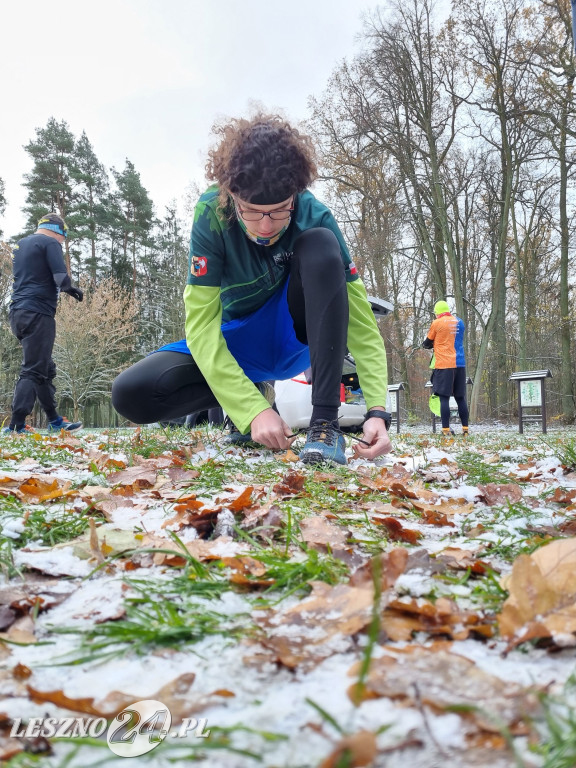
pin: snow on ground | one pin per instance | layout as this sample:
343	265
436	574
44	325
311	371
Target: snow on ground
240	683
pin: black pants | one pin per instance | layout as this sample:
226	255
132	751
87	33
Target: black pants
447	382
166	385
36	334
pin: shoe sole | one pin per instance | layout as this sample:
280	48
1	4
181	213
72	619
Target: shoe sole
317	457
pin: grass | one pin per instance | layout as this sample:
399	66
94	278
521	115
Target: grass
478	471
46	525
557	729
155	620
292	574
565	451
8	568
168	751
483	589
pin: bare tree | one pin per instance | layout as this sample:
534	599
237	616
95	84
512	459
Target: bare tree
93	341
552	60
490	33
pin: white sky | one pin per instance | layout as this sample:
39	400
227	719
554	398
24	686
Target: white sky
147	78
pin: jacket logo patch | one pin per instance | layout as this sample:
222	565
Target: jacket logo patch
199	266
282	258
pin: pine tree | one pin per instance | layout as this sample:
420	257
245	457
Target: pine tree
90	199
135	212
169	277
51	180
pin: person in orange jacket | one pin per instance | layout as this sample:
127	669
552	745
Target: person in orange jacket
446	338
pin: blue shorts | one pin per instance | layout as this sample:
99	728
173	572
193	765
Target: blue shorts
264	343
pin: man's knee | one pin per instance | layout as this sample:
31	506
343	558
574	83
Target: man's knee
320	242
129	396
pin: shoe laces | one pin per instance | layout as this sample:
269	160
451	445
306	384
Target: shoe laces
229	425
318	431
323	432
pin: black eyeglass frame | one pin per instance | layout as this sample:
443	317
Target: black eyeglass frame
261	214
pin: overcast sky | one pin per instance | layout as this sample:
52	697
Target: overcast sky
147	78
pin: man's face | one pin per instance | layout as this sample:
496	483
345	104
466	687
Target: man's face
265	226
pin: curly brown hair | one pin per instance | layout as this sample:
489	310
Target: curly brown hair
262	161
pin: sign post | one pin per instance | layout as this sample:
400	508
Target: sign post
393	403
531	394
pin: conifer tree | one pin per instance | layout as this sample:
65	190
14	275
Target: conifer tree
135	214
51	180
90	199
169	274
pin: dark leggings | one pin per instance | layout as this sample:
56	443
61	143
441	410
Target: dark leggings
36	333
167	385
445	410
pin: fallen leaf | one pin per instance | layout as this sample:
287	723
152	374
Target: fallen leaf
302	633
198	548
319	533
176	695
243	501
387	567
443	680
562	496
289	456
133	478
432	516
290	485
542	600
396	531
463	559
247	571
7	617
353	751
495	493
401	618
114	540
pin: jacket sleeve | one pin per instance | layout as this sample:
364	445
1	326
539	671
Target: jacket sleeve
367	346
57	265
232	388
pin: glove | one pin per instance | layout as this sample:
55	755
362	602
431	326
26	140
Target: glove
76	293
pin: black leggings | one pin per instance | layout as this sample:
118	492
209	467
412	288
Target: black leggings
167	385
445	410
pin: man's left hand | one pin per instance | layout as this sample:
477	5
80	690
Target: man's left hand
376	435
76	293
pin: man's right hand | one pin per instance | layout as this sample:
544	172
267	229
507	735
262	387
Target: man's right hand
76	293
269	429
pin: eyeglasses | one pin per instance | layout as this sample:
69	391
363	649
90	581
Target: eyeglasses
280	215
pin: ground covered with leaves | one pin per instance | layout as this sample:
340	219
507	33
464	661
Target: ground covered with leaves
419	610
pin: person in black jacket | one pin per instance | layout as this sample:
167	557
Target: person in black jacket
39	276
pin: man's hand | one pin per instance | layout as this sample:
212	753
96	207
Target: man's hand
376	434
76	293
270	430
